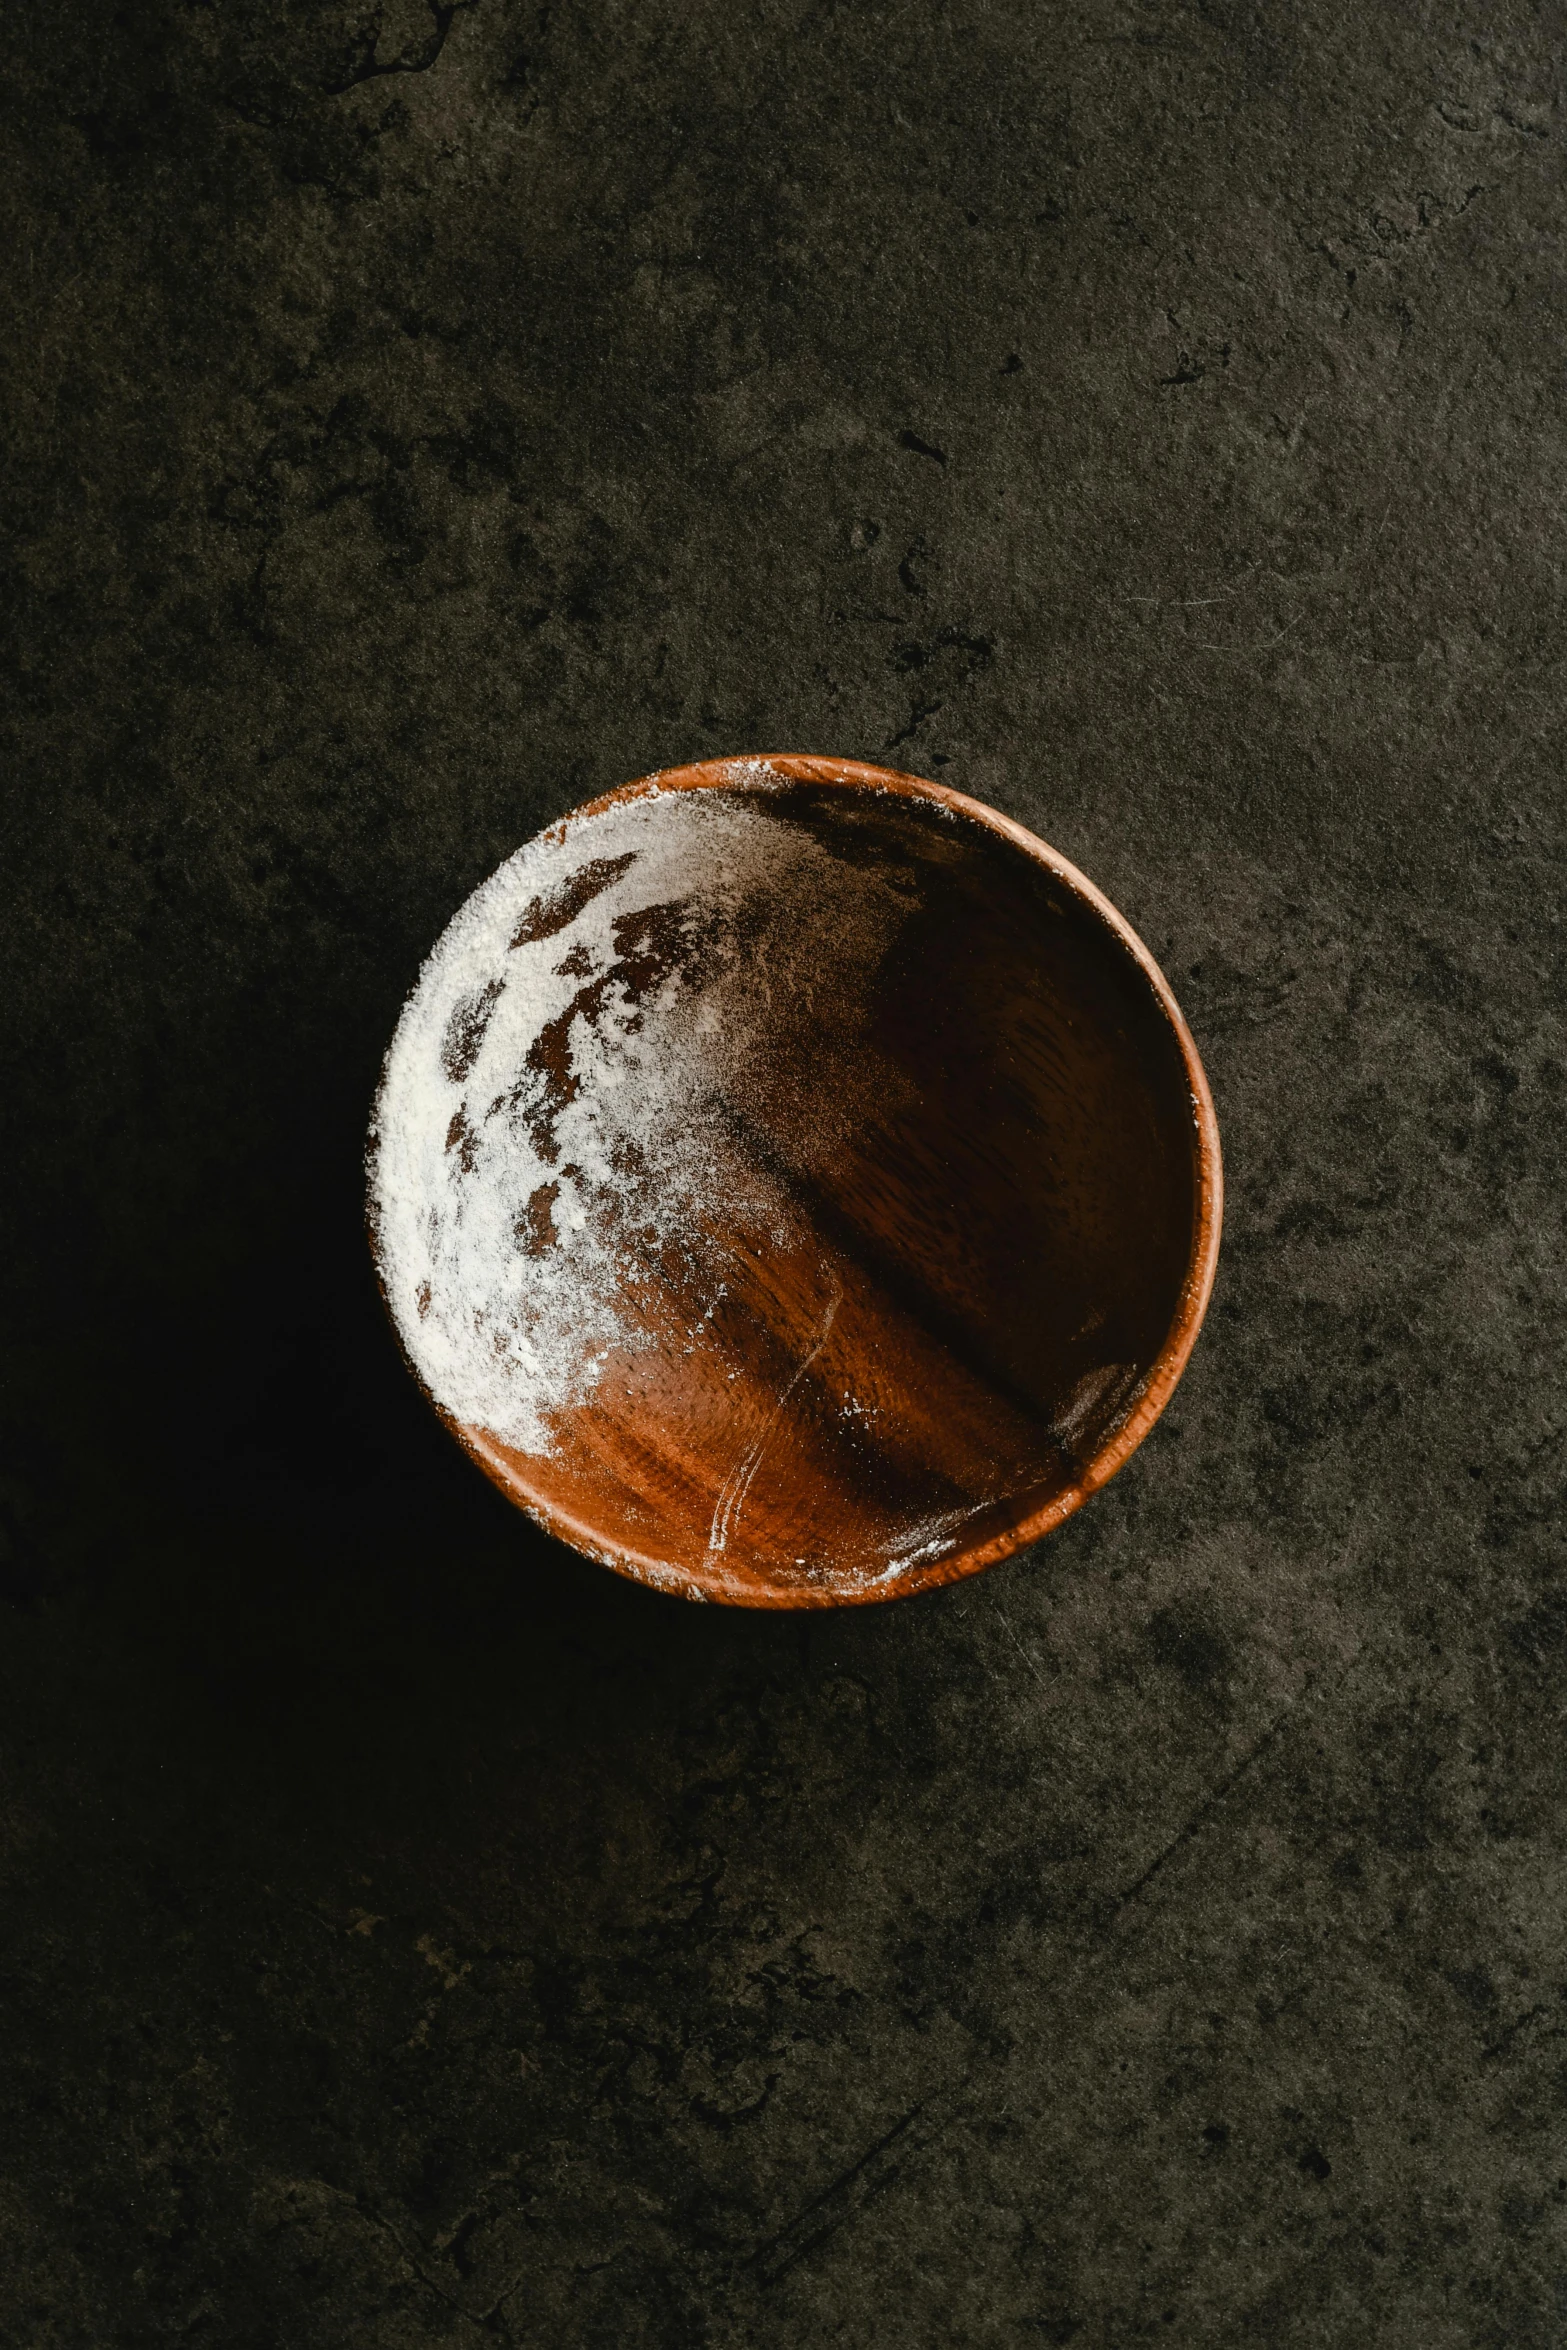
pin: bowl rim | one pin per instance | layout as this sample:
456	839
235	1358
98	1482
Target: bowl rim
753	770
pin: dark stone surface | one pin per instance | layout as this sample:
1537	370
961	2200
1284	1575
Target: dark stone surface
1152	419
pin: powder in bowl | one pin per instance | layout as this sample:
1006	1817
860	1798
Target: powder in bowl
753	1176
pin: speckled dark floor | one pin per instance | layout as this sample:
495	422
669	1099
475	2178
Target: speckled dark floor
1152	419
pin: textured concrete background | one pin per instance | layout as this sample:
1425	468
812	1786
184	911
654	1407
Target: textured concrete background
1151	418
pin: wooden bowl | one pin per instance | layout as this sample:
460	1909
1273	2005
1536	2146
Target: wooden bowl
793	1183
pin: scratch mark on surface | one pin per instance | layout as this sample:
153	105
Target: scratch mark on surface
1209	1804
1006	1624
867	2177
732	1493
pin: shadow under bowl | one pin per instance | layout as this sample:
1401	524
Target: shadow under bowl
794	1183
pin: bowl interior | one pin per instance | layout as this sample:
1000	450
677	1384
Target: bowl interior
787	1189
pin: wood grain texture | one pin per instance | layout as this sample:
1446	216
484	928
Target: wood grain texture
1003	1228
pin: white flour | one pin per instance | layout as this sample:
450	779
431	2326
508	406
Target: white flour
556	1121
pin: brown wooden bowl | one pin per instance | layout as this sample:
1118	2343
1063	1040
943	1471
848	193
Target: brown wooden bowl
793	1183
